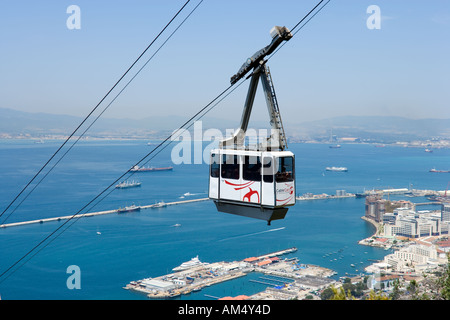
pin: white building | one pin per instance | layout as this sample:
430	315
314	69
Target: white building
408	223
409	258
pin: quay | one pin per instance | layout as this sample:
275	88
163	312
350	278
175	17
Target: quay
92	214
292	280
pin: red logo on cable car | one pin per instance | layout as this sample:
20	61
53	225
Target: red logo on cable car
249	194
289	190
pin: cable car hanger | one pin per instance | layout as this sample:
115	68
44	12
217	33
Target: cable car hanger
257	183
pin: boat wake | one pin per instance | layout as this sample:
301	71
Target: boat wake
252	234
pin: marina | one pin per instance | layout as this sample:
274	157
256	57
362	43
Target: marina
285	277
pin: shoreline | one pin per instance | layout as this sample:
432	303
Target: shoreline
373	223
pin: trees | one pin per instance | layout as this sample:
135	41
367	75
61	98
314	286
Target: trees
444	281
341	293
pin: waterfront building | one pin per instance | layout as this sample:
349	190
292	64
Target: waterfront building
376	207
408	223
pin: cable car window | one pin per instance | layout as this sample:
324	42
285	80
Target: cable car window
285	172
215	165
252	168
230	167
267	170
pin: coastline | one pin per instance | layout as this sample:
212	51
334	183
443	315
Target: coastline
375	224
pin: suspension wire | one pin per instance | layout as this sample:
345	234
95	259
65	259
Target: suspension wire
77	216
318	4
181	129
95	108
301	27
103	111
109	186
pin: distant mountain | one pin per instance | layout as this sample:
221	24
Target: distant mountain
373	127
15	123
387	129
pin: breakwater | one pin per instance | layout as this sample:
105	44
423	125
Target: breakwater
92	214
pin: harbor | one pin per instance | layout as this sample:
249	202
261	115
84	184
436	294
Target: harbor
92	214
340	194
286	278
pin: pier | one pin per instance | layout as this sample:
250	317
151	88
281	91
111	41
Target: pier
92	214
283	276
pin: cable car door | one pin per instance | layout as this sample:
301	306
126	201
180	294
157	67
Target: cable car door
285	181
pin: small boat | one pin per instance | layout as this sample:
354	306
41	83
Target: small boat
128	184
428	150
335	146
145	169
129	209
176	225
336	169
352	265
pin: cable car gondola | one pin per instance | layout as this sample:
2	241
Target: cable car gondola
259	182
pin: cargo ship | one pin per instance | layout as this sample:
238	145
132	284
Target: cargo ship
144	169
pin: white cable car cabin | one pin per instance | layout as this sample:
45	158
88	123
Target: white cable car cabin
257	183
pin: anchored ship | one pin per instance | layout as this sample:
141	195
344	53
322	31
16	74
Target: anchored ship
142	169
440	171
337	169
128	184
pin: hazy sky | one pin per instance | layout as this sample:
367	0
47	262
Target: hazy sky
334	66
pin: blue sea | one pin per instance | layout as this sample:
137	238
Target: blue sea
112	250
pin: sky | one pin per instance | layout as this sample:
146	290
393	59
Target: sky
334	66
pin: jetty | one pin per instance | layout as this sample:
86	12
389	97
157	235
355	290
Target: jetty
92	214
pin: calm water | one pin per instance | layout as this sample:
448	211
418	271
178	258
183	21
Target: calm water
146	244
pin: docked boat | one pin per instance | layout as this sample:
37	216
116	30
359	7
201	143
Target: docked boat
337	169
129	209
194	262
128	184
145	169
159	205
